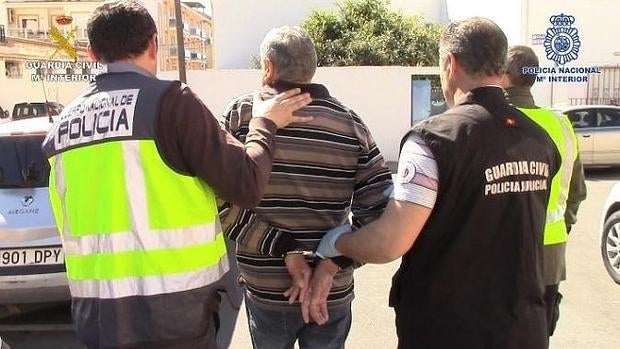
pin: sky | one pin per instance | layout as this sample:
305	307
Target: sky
506	13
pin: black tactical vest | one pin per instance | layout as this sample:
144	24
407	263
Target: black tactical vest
473	278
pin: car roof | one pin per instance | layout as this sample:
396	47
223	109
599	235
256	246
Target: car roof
589	106
38	125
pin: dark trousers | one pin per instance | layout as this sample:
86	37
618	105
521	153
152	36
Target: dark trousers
205	341
552	303
445	331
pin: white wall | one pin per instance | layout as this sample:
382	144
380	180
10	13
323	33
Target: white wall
240	25
381	96
433	10
596	21
23	90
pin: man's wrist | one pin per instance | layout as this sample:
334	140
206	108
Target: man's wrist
330	266
343	262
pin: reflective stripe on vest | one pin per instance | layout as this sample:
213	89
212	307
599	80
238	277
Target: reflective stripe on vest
131	225
559	130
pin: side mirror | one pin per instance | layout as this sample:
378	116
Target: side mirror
4	115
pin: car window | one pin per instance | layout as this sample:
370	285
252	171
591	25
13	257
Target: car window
581	118
608	118
28	110
22	162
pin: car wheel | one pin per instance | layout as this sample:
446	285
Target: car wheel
610	246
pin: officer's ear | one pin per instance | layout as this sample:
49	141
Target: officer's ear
451	65
91	53
153	47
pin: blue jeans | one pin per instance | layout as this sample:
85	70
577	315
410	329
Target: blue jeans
273	329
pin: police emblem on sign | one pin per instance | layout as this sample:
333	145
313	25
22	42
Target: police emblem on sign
562	40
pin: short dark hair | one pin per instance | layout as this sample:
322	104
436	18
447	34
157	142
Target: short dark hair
518	57
119	30
478	43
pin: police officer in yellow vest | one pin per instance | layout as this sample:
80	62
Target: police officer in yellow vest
136	164
568	187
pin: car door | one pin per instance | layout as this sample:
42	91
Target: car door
584	122
606	137
29	240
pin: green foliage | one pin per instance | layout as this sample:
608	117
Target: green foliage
366	32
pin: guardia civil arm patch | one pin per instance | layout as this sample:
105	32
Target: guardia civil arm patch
407	173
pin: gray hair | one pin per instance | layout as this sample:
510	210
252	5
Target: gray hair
479	44
291	51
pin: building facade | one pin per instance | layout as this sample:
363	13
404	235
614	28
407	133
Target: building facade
27	28
585	29
197	28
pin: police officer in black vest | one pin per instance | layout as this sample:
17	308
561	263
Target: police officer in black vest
467	212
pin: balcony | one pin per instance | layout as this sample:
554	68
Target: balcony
2	35
23	1
24	33
190	55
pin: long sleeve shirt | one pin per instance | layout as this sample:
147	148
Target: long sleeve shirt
323	170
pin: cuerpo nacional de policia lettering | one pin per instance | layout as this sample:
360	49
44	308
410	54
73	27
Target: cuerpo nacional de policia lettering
104	115
562	46
516	177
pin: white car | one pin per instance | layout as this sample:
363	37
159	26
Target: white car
610	238
31	260
598	131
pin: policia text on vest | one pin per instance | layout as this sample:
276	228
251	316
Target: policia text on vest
520	174
109	114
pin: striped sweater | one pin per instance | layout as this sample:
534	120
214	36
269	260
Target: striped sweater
323	171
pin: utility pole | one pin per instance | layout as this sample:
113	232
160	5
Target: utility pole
180	43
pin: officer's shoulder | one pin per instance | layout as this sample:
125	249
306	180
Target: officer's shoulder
461	115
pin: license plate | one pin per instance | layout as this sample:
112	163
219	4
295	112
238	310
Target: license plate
31	256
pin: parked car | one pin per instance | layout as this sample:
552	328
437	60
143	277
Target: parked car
598	130
610	233
33	110
4	114
31	259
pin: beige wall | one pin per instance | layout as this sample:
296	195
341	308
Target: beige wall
22	90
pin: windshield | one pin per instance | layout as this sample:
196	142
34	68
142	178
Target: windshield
22	162
33	110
